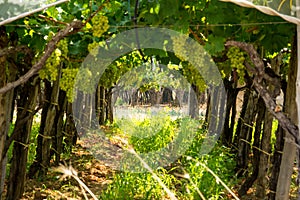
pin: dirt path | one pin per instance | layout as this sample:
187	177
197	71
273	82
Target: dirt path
95	174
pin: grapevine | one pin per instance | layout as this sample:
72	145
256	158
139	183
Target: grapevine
237	58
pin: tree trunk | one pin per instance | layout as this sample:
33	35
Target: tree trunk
233	116
289	150
26	104
285	121
159	95
242	116
179	97
221	107
208	107
48	130
244	109
86	114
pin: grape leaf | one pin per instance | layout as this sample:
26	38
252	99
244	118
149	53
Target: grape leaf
215	44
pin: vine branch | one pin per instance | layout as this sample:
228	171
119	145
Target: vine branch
259	74
95	13
202	42
12	50
71	28
52	20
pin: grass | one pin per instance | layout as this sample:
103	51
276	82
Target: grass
187	177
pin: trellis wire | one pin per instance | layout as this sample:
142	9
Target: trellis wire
166	26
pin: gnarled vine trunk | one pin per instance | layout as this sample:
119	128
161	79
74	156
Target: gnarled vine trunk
47	129
57	130
277	155
246	129
69	130
100	104
26	105
230	113
6	100
265	145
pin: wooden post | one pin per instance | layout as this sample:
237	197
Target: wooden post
298	63
298	78
293	102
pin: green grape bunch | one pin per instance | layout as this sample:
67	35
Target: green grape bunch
67	81
237	59
194	77
63	46
179	46
50	69
59	55
93	48
195	59
100	25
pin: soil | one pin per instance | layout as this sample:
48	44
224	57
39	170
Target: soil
94	173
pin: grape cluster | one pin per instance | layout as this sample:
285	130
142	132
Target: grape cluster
179	46
194	77
188	50
237	59
67	81
93	48
63	46
50	70
100	25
